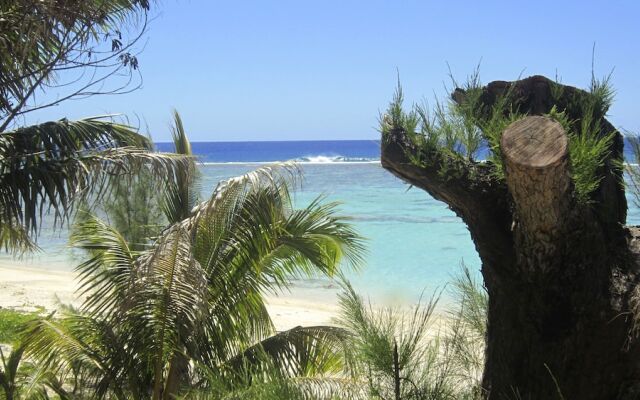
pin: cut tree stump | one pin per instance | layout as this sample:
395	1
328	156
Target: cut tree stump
536	159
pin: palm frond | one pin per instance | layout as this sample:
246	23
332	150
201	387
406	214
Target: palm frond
84	347
180	140
181	194
19	378
249	240
107	276
300	351
195	297
229	324
169	298
14	238
48	166
55	345
280	177
9	371
249	223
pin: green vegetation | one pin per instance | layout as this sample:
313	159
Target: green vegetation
451	134
588	150
12	323
137	209
376	354
547	242
131	206
174	285
405	354
187	313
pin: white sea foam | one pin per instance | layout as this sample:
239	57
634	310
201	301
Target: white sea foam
320	159
315	160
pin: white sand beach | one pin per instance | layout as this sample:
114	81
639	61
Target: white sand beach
26	287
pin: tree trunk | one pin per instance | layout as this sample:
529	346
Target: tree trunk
552	327
177	376
562	276
397	384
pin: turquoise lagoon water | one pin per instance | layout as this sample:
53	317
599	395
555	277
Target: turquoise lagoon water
415	243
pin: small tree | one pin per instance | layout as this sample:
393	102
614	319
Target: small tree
403	354
390	350
546	212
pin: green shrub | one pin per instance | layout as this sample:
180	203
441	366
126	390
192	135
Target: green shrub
12	322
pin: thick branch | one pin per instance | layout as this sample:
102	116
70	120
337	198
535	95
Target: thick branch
469	189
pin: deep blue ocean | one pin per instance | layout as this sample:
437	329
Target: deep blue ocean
415	243
304	151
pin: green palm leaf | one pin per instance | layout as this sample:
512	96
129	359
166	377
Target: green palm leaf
300	351
48	166
106	277
79	345
19	379
169	296
181	194
250	241
14	238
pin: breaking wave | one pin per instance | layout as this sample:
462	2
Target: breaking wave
317	159
322	159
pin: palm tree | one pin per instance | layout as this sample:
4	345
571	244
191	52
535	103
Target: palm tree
189	312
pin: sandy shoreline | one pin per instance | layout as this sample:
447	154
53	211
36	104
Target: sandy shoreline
27	288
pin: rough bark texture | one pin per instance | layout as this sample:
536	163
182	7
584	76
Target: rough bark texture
561	276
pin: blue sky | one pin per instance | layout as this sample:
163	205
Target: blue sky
302	70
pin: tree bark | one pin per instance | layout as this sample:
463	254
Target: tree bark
554	330
562	276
